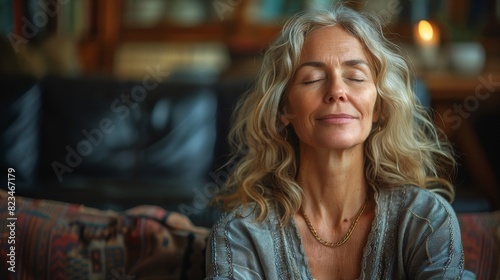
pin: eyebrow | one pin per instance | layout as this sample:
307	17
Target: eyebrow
355	62
352	62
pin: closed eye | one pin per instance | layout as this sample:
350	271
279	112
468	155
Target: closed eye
356	80
312	81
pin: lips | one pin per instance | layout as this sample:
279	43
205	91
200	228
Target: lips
337	118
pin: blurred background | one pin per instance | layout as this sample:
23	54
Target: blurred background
453	45
120	37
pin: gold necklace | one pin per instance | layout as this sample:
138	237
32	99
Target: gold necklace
345	238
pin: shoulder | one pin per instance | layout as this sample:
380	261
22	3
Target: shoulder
237	245
419	213
240	220
428	234
239	228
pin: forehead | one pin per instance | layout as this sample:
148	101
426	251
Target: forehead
329	42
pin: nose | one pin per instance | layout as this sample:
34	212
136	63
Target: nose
335	91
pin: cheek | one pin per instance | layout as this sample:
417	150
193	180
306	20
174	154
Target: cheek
371	105
302	117
300	105
298	112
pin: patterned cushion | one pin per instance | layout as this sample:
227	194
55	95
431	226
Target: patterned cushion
481	241
55	240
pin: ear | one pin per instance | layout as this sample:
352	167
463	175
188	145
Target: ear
284	116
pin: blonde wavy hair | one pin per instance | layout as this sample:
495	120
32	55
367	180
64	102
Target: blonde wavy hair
404	147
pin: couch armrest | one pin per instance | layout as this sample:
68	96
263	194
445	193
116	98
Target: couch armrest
481	241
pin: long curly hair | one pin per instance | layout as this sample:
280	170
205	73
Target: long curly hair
404	147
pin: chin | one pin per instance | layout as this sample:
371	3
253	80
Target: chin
340	144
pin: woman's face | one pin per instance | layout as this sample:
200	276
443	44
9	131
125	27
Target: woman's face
331	98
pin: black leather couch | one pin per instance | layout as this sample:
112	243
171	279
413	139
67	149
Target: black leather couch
114	144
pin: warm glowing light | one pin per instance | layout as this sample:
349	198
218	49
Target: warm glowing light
426	36
425	30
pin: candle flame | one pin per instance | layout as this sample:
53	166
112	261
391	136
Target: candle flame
425	30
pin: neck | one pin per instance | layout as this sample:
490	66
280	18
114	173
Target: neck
334	185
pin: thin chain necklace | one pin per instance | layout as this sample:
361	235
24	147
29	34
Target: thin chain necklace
346	236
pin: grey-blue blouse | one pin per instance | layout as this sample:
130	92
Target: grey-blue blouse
415	235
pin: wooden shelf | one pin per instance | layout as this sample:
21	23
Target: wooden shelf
210	31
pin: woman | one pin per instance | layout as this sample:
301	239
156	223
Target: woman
340	173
